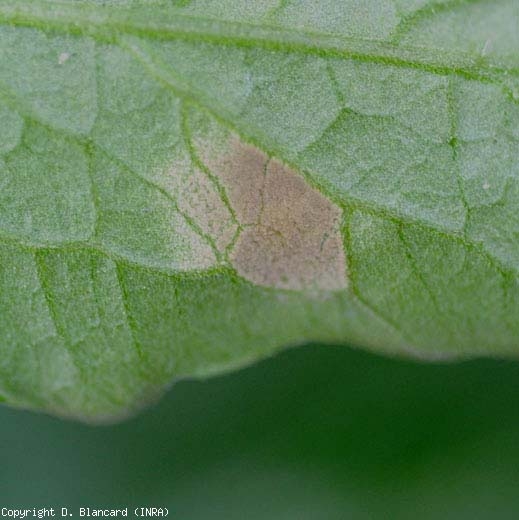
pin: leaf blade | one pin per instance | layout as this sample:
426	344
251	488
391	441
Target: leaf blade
118	222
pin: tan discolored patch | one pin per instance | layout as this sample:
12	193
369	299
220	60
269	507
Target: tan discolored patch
290	236
199	198
242	173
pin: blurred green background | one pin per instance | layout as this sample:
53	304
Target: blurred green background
316	432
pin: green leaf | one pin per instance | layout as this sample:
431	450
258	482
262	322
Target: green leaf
188	186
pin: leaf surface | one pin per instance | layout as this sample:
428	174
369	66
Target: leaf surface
188	186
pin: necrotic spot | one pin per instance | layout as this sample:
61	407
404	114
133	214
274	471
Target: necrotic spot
291	235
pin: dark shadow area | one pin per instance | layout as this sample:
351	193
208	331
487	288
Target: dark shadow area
316	432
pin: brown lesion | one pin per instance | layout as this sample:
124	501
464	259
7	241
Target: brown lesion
290	236
241	170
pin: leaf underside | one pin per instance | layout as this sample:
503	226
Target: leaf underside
188	186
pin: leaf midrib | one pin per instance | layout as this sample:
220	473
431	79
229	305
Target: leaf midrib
108	24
